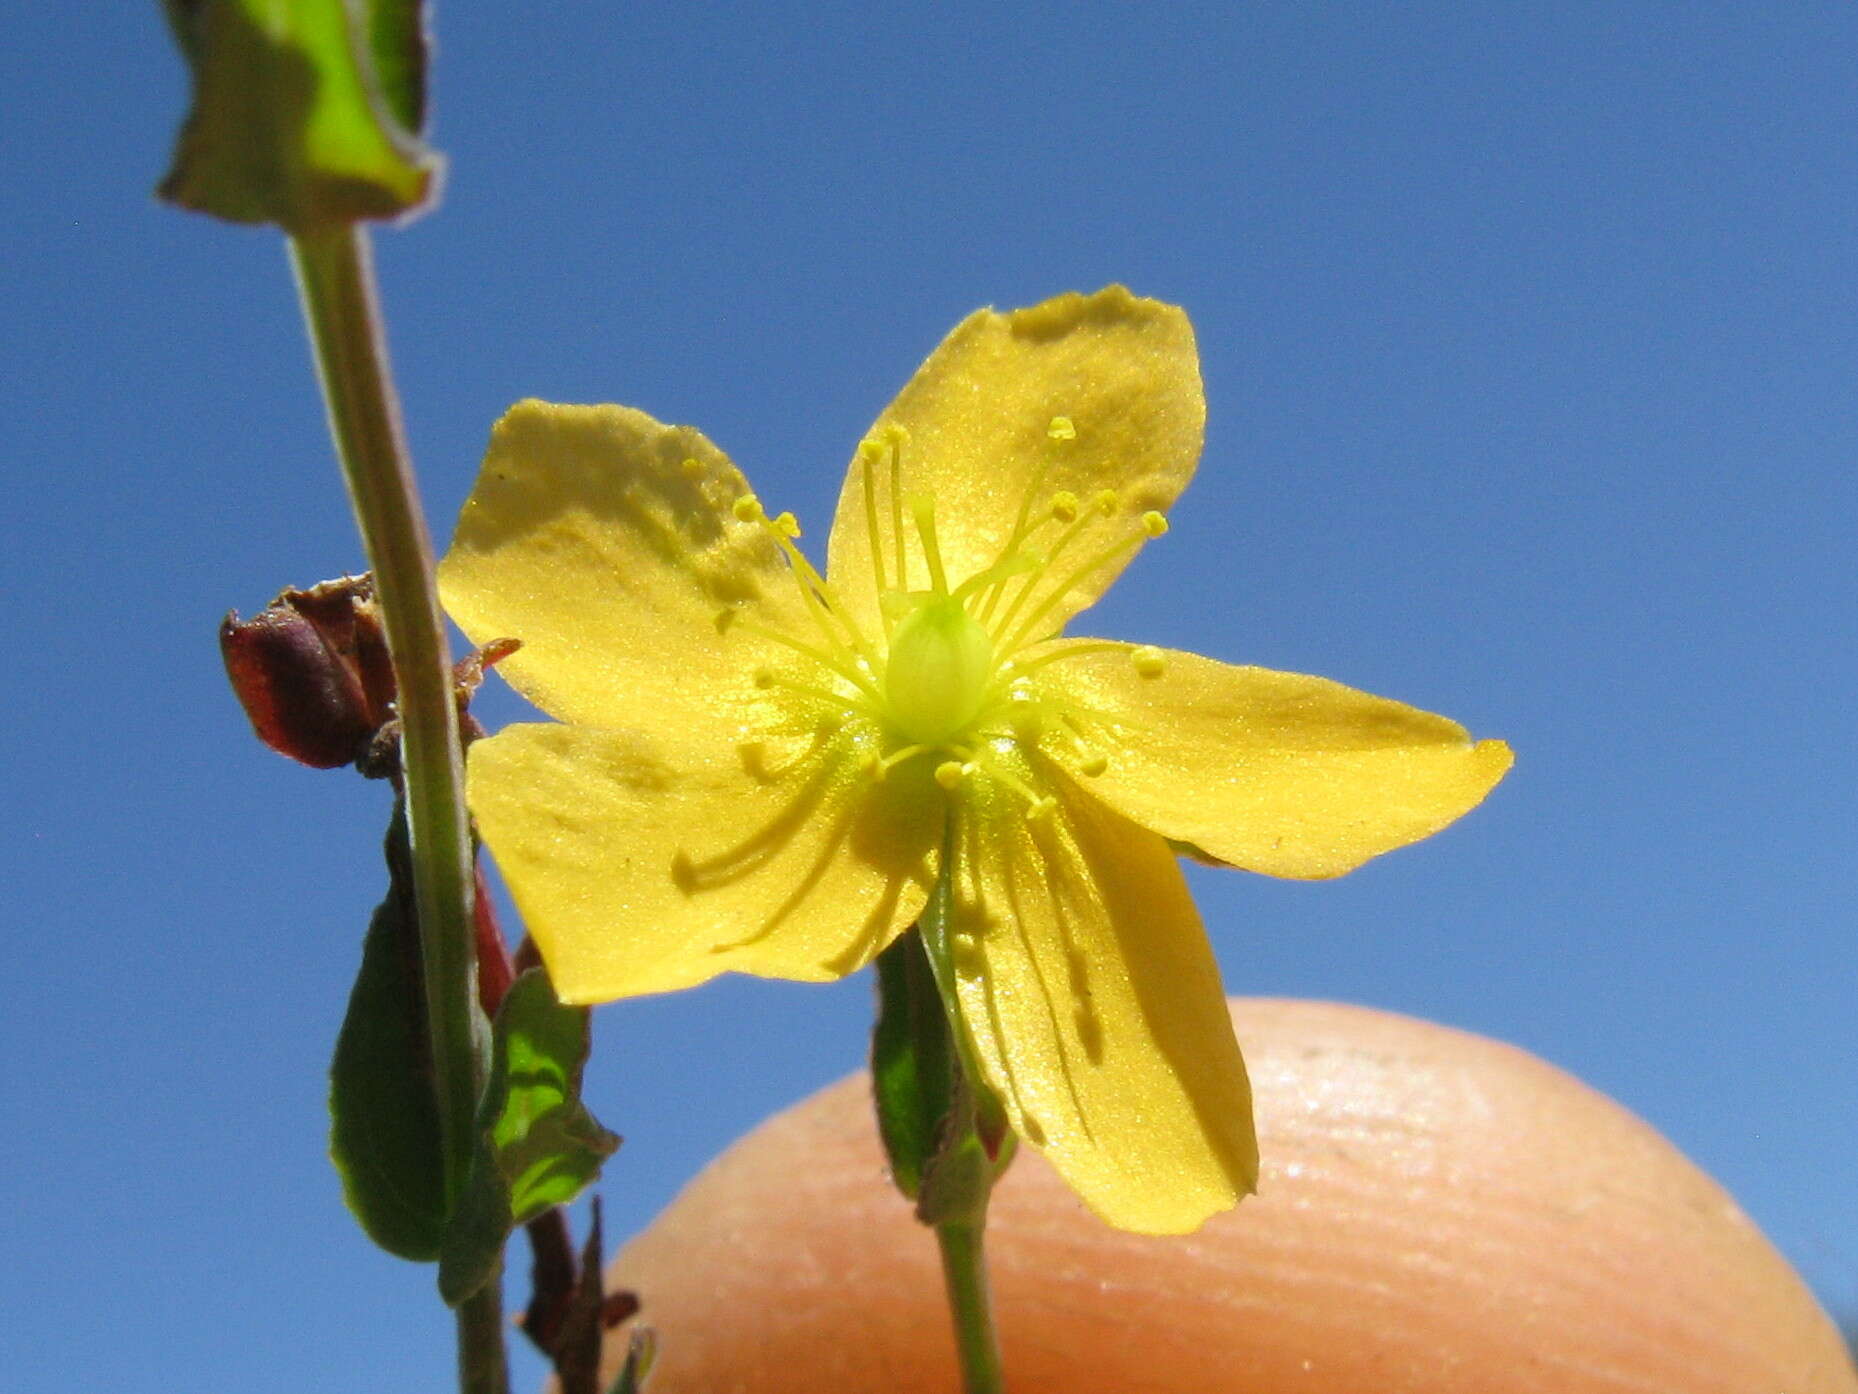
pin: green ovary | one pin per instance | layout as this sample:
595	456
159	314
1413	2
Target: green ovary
941	663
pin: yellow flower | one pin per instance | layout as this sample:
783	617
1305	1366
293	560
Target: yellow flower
756	764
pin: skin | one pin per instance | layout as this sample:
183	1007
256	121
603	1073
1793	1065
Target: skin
1438	1213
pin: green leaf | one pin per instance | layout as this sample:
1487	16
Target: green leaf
305	112
912	1062
538	1145
384	1121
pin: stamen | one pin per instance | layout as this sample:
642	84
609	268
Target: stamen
693	468
1000	572
895	436
1077	523
849	671
822	602
879	766
1149	661
1020	531
1058	593
1064	505
950	773
1020	666
869	453
1038	805
1094	766
806	689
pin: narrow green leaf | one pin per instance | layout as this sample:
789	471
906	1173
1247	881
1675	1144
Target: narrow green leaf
305	112
384	1122
641	1355
912	1062
538	1145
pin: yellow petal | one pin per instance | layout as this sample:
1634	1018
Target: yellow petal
1097	1012
1276	772
642	868
618	564
1125	375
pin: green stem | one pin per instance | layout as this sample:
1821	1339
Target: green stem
482	1364
964	1273
336	281
961	1240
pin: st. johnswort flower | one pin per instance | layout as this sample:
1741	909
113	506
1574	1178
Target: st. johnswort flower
755	764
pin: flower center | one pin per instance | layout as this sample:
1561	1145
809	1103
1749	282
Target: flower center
948	676
940	667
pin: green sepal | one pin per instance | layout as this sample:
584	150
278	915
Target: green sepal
946	1139
537	1144
960	1176
912	1065
305	113
384	1121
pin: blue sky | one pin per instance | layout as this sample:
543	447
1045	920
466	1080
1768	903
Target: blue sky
1529	337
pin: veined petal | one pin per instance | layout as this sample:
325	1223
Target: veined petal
1279	773
618	564
639	868
1122	371
1095	1005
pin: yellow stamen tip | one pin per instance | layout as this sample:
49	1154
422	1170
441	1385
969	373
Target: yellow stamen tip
1105	501
1064	505
950	773
1149	661
871	450
896	434
787	525
1061	429
1153	523
1094	766
1042	808
693	468
747	509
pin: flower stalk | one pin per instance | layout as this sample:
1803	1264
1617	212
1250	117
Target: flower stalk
335	281
959	1180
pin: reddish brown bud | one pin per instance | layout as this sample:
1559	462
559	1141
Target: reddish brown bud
312	672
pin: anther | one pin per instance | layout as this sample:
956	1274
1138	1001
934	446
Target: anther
950	773
1094	766
872	450
693	468
896	434
747	509
1061	429
1153	523
1149	661
1064	505
1105	501
1042	807
786	525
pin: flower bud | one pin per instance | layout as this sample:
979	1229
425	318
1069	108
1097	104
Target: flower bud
312	672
